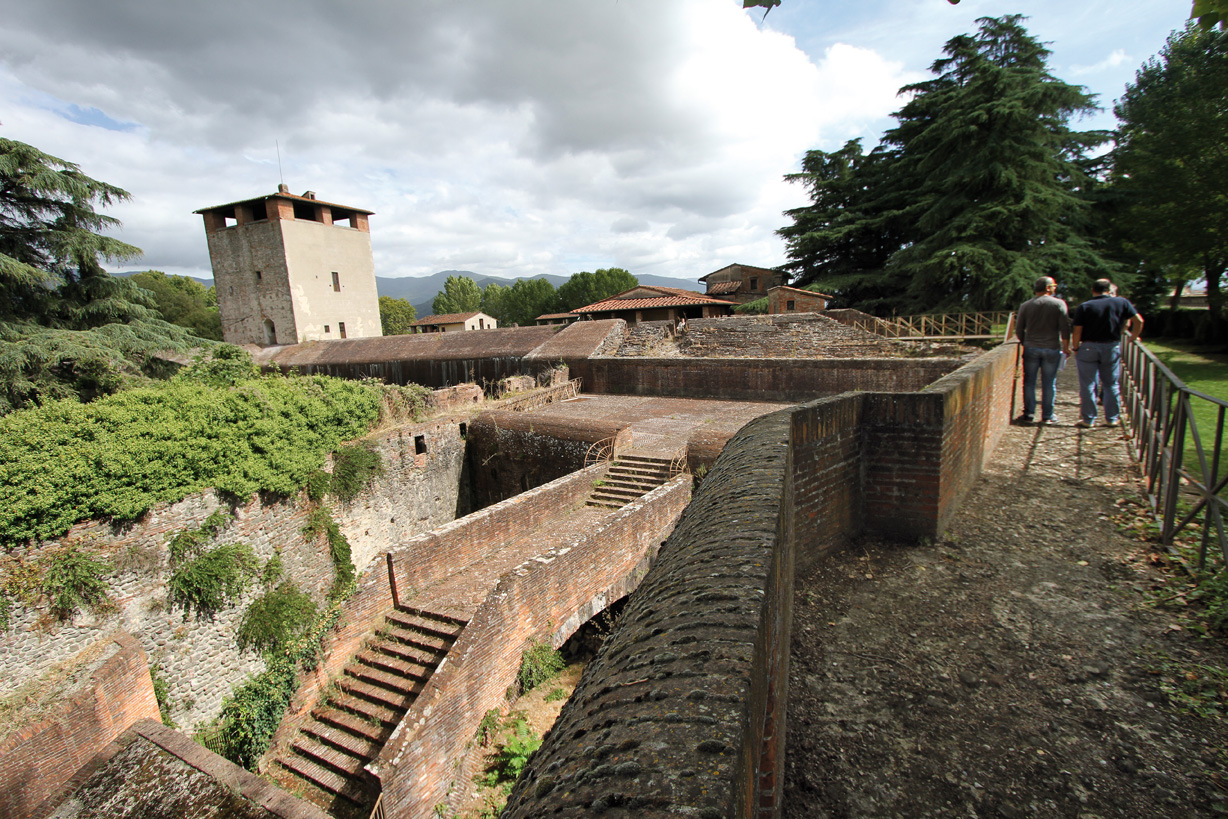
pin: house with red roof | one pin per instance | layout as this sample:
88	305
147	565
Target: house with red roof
650	303
740	283
454	323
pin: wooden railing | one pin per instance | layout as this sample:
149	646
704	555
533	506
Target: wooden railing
541	397
948	325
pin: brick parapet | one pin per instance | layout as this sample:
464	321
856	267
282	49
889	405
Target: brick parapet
40	758
540	600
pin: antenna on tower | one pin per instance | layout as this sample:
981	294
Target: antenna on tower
280	173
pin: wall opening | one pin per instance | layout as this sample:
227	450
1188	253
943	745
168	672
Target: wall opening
306	212
336	282
420	444
259	277
270	332
341	328
464	430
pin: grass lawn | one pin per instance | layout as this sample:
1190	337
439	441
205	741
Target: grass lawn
1204	369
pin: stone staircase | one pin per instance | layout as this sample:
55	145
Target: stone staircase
325	762
629	477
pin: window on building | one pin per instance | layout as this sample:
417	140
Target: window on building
481	324
336	282
306	212
270	332
464	430
259	276
419	444
326	329
789	305
754	283
341	328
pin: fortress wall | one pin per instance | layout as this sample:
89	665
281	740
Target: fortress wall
198	658
540	600
41	757
743	379
510	452
682	709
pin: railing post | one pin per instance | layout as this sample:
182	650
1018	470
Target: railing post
392	581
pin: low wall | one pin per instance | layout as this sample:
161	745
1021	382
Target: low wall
784	379
419	562
543	599
39	759
682	710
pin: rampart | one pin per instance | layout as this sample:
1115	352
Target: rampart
40	758
546	598
682	710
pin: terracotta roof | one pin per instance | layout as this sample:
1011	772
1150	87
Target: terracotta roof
688	300
803	291
447	318
290	196
721	288
737	264
556	315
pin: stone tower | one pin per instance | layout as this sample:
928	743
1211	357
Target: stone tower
292	268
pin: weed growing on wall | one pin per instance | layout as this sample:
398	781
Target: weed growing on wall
321	522
161	694
276	619
513	754
75	579
116	457
206	580
540	663
354	467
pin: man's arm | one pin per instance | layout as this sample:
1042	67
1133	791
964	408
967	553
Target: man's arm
1075	336
1136	326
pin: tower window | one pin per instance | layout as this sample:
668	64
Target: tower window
325	328
336	282
259	277
341	328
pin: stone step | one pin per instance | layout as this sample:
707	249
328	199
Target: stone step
365	729
396	685
631	480
417	639
622	498
629	469
604	504
411	621
394	665
343	762
619	489
356	791
365	709
359	747
455	623
376	694
427	658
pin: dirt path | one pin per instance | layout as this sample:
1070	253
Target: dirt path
1006	671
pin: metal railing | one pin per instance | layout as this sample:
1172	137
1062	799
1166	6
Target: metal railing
1166	431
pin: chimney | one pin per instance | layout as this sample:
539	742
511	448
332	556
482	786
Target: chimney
283	188
309	194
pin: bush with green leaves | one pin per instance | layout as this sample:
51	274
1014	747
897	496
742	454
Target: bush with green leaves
205	580
65	462
320	521
540	663
354	467
276	619
75	579
513	754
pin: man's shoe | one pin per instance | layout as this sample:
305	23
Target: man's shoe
1024	420
1114	423
1081	424
1052	421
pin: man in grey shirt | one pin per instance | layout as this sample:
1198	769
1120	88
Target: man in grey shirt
1044	329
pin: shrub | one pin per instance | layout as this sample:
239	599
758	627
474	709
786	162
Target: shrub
276	619
161	694
321	522
74	579
206	580
540	663
354	467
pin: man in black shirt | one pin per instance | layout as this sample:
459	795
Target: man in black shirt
1096	340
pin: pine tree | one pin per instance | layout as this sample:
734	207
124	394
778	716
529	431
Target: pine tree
67	328
978	190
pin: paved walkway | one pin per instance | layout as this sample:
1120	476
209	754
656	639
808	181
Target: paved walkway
1010	669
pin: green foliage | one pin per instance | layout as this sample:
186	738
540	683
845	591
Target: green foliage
460	294
183	301
1170	169
588	288
276	619
207	580
318	483
321	522
556	694
273	571
354	467
758	306
1192	688
67	329
527	299
396	316
251	714
162	694
514	753
488	728
493	296
1210	13
73	579
540	663
65	462
222	366
980	189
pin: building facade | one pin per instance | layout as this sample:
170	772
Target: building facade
292	268
795	300
741	283
454	323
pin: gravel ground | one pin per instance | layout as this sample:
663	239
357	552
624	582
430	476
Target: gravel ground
1009	669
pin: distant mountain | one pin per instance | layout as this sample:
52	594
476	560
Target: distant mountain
420	291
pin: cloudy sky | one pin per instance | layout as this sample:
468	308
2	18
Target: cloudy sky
506	137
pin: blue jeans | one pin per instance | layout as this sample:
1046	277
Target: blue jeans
1037	360
1099	360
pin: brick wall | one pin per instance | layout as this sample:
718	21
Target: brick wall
40	758
682	710
792	380
543	599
